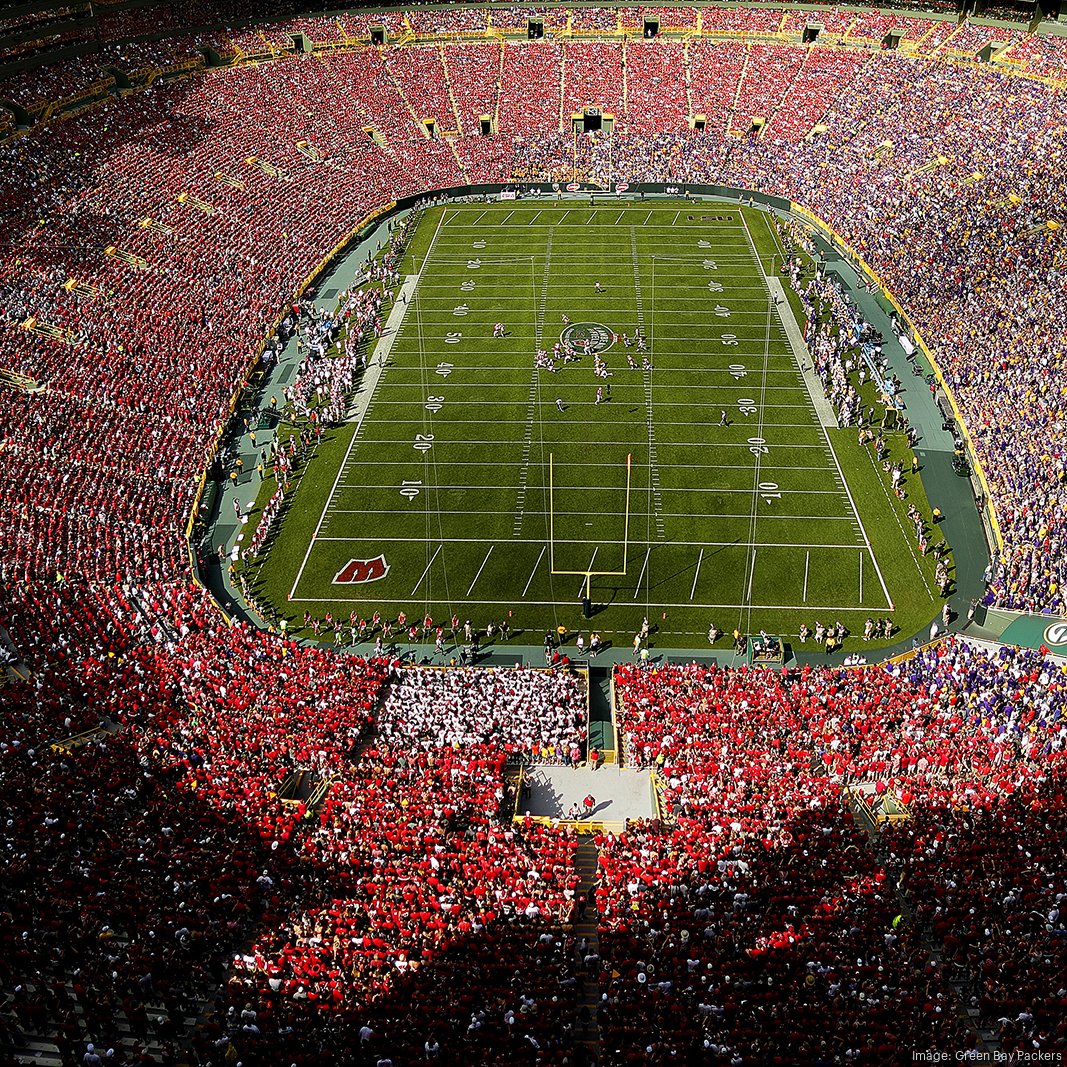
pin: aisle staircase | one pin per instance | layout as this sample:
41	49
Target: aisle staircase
587	861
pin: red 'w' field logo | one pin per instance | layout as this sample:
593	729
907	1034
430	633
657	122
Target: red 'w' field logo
358	571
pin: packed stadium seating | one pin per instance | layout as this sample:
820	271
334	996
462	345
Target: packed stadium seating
407	905
764	880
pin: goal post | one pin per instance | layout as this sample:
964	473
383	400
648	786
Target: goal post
588	572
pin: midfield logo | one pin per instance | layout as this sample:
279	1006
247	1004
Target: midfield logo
359	571
1056	634
600	338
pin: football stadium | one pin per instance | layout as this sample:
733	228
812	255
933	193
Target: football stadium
533	535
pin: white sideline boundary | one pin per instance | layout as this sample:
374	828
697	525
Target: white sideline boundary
393	323
822	406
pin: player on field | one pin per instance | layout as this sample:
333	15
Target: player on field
559	403
599	395
498	329
597	287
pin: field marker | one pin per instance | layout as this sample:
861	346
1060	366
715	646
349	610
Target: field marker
531	222
700	559
506	217
751	576
475	222
480	569
427	571
807	562
647	217
861	575
646	381
532	400
648	552
529	581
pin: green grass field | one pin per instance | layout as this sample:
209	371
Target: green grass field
764	522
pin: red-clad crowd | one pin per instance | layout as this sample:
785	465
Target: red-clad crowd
166	900
187	788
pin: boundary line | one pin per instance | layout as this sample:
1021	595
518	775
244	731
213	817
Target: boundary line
355	434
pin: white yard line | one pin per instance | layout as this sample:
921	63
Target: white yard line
573	463
648	552
440	423
477	487
480	569
700	559
458	512
529	581
427	571
495	441
376	599
807	563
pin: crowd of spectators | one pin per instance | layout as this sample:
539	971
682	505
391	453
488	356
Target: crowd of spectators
408	906
379	907
433	709
760	904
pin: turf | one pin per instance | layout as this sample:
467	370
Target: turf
763	522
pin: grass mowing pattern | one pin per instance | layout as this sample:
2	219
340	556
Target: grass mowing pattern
750	523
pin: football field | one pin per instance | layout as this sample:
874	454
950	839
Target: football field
692	476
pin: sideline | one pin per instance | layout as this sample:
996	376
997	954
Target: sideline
822	406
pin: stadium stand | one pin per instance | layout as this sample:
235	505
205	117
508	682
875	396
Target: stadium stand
228	846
